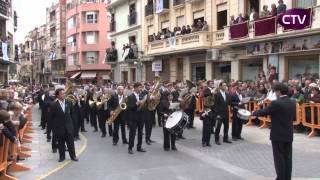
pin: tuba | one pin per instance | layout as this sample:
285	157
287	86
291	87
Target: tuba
155	93
69	96
121	107
187	96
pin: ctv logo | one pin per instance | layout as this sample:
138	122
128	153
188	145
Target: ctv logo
295	18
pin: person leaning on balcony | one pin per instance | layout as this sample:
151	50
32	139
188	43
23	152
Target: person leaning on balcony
205	26
240	19
253	15
232	20
273	10
265	12
188	29
183	30
281	7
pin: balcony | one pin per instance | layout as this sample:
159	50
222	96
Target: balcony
178	3
148	9
112	55
112	26
181	43
265	28
132	19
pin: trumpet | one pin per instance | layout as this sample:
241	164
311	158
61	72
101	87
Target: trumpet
92	103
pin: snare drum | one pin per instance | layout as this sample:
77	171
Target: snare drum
176	122
243	114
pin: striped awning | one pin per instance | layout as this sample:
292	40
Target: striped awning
75	75
88	75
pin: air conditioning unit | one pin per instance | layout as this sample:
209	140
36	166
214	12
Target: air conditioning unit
213	54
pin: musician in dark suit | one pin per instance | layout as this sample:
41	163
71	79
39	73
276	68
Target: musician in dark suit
134	118
207	117
237	123
221	103
164	109
147	115
75	115
113	104
60	113
282	112
103	113
93	109
83	112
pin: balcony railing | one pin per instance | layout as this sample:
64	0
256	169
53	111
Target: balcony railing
148	9
266	27
197	40
178	2
132	19
112	26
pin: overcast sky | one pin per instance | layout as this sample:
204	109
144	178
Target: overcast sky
31	14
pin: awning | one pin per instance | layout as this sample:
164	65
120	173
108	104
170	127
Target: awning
106	77
75	75
88	75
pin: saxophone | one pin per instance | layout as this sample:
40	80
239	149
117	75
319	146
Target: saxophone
122	106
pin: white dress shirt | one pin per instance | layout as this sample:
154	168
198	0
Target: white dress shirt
271	96
120	98
223	94
137	96
62	105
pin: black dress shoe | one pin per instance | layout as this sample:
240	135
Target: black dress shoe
74	159
125	142
181	137
141	150
174	149
218	143
54	150
166	149
204	145
148	143
227	141
83	130
114	143
103	135
234	139
130	151
241	138
61	159
151	141
209	145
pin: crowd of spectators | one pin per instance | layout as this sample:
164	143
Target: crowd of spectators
254	15
186	29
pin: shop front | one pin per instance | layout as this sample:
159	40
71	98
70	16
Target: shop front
303	66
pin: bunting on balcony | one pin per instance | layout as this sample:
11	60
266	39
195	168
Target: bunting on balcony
172	42
239	31
265	26
4	47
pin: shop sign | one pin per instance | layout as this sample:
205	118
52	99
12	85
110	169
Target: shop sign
284	46
157	66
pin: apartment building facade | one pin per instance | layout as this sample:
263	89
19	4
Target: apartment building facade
125	52
219	52
87	41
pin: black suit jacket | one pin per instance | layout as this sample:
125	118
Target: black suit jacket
221	106
132	108
61	121
282	112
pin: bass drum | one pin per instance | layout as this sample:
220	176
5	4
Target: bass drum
176	122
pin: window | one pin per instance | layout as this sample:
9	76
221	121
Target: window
305	3
198	15
91	57
180	21
72	59
164	25
91	17
91	37
72	22
222	16
72	41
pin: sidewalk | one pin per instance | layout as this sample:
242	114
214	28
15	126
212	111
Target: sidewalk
43	161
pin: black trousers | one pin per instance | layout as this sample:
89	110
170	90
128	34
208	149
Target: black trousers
206	129
119	122
93	118
86	112
66	139
134	124
149	118
54	142
236	125
191	118
43	121
82	116
159	117
168	139
225	123
102	118
282	156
